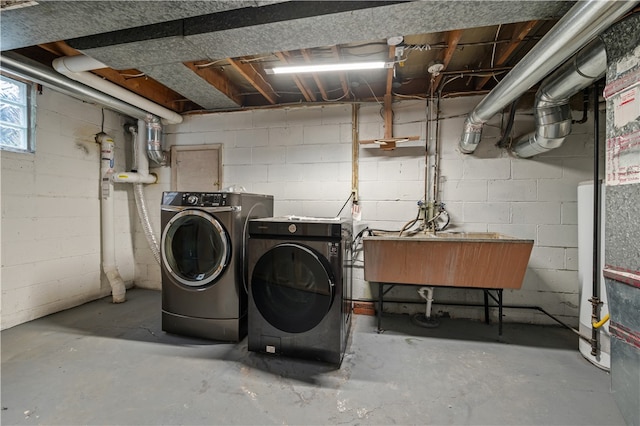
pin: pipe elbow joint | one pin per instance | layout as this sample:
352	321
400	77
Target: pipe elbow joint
59	65
469	142
471	136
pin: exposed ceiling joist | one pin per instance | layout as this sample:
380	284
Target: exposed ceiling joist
343	79
302	85
505	51
217	79
306	54
255	78
133	80
211	56
453	38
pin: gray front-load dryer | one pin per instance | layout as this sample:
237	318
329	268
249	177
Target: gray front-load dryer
203	261
300	287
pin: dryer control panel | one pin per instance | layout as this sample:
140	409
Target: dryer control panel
204	199
197	199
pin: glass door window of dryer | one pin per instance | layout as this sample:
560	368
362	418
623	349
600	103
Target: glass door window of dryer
196	248
292	287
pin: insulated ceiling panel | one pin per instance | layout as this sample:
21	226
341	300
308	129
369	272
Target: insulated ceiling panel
249	32
181	79
370	24
213	54
50	21
146	53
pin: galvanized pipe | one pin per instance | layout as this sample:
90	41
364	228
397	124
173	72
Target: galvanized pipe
34	71
581	24
154	142
552	110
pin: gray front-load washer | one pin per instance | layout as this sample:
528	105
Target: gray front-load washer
300	289
203	261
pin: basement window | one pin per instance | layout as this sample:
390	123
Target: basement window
17	115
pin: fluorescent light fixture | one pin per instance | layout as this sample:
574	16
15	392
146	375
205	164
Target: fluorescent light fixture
329	67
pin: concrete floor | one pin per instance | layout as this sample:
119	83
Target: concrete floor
111	364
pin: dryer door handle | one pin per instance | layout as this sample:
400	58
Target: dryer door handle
204	209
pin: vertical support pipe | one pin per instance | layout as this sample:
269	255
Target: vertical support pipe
355	151
595	298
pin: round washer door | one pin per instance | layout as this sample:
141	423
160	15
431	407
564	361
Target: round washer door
293	287
195	248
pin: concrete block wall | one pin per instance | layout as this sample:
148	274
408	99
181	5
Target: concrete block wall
50	202
302	156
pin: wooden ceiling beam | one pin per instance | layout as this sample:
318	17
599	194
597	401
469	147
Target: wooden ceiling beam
392	57
506	50
256	79
389	142
217	79
304	89
143	86
306	54
343	79
453	38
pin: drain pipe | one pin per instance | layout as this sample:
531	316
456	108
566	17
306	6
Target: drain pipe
425	320
76	68
109	267
552	110
576	28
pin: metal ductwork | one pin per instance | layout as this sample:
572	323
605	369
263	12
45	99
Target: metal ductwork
581	24
552	112
34	71
154	142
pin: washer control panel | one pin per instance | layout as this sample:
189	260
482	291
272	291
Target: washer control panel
205	199
201	199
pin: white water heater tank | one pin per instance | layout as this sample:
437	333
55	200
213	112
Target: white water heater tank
585	275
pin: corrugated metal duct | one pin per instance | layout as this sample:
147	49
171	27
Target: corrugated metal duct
581	24
552	112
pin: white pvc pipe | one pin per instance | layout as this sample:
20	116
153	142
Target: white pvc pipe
428	297
38	73
116	91
132	177
109	267
79	63
141	162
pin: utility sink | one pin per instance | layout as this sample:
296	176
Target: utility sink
452	259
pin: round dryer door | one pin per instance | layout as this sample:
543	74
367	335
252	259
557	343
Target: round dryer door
293	287
195	248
